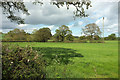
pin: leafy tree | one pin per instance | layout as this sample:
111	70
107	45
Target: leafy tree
106	38
112	37
70	37
57	36
42	34
62	32
91	30
82	38
96	37
16	35
1	33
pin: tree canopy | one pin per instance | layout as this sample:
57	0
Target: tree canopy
62	32
42	34
91	30
112	36
16	35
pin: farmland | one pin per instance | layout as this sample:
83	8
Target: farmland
81	60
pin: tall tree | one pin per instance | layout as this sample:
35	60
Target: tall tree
16	35
42	34
112	36
91	30
62	32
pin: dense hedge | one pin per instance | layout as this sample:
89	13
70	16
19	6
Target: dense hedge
21	63
96	41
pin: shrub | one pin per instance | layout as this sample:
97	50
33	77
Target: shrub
93	41
82	38
96	41
83	41
68	41
100	41
21	63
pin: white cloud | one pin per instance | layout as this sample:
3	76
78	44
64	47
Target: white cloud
22	25
51	27
48	14
108	25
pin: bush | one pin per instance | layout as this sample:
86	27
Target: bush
96	41
83	41
82	38
21	63
68	41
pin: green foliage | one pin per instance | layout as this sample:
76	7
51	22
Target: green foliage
83	41
62	32
96	37
42	35
96	41
15	35
70	37
112	37
21	63
82	38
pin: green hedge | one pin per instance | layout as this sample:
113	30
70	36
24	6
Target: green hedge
96	41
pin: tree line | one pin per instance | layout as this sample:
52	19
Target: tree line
91	32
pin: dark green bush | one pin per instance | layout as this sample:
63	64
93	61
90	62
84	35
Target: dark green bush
68	41
21	63
83	41
96	41
93	41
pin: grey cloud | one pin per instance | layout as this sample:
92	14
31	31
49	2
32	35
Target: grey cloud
49	15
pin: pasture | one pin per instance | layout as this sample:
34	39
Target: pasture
78	60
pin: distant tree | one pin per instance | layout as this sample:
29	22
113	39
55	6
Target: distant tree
91	30
42	35
96	37
62	32
16	35
106	38
57	36
76	36
1	33
112	37
88	37
70	37
118	38
82	38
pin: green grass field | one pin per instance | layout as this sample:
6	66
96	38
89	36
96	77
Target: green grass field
84	60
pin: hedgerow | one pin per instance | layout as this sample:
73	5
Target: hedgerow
21	63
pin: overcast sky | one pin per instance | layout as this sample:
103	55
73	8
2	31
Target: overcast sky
52	17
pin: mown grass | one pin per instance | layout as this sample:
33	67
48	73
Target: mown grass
100	60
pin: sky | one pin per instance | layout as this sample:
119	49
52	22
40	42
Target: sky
52	17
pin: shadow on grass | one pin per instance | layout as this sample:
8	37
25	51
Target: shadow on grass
58	55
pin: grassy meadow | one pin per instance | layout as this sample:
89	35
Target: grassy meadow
79	60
